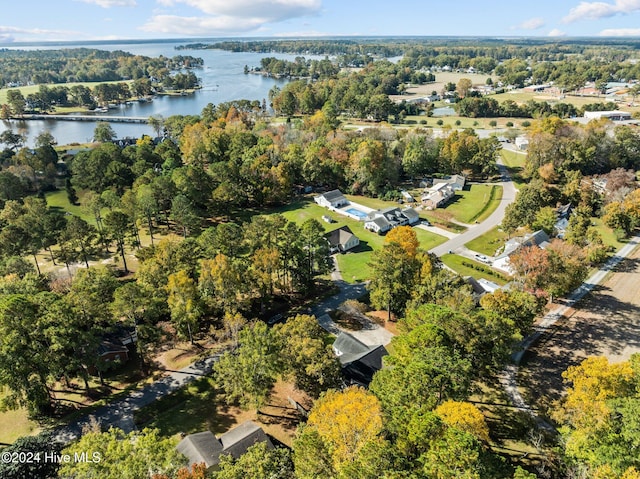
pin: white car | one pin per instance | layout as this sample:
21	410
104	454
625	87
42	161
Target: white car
483	258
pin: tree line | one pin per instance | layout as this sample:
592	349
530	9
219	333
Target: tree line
25	67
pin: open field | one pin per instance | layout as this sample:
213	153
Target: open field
478	270
354	265
605	323
443	78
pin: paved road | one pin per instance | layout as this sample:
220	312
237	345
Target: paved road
508	197
509	376
120	413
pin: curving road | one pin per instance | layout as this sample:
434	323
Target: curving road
508	196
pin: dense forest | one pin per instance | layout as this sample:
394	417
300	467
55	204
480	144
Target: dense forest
568	63
22	67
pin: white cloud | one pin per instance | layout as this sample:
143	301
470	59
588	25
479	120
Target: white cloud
112	3
556	33
225	16
596	10
274	10
201	25
532	24
12	34
620	32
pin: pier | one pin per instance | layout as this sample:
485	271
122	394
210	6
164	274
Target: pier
74	117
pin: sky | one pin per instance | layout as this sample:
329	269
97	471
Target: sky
85	20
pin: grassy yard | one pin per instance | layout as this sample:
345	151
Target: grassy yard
58	200
515	164
468	267
199	407
608	236
353	264
470	204
15	424
489	242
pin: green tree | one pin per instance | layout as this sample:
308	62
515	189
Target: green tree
16	102
33	446
259	463
393	272
248	374
184	303
118	225
117	455
103	132
306	357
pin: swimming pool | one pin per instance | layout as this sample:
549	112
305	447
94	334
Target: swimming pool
360	214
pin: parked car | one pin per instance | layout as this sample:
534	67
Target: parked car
425	222
483	258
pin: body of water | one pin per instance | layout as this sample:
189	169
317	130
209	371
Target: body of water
222	76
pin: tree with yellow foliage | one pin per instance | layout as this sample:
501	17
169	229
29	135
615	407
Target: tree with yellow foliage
601	413
464	416
346	421
406	237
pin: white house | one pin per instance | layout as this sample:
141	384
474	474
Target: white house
457	182
381	221
522	143
437	195
331	199
611	115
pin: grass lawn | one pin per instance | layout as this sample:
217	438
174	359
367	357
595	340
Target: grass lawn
515	164
478	270
199	407
608	236
489	242
15	424
353	264
58	200
469	204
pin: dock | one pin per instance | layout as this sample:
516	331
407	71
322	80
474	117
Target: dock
74	117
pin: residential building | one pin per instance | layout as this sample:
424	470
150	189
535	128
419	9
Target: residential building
204	447
457	182
437	195
342	239
359	362
522	143
615	115
538	238
381	221
331	199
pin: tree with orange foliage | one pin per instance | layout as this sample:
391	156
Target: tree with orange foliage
531	265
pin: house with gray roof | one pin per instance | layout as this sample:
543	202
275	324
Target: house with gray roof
204	447
537	238
331	199
381	221
342	239
359	362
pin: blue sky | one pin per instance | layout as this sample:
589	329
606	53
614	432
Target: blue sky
60	20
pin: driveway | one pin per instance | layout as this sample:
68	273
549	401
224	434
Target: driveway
508	197
120	413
